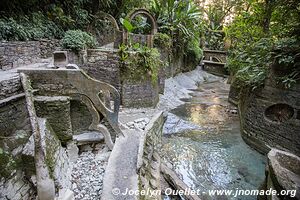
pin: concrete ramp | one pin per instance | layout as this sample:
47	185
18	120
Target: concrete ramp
121	173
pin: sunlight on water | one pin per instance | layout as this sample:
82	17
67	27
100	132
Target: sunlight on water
215	157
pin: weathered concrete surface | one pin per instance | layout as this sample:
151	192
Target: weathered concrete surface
128	155
57	111
265	126
121	171
283	173
88	137
77	84
45	184
149	162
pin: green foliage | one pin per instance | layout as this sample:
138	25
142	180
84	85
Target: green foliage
7	163
127	24
252	55
163	41
142	25
194	52
77	40
287	57
179	19
33	27
252	63
246	28
140	62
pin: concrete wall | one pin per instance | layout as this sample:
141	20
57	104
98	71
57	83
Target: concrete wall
16	165
17	162
270	117
149	160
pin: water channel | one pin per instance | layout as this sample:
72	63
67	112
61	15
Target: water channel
212	156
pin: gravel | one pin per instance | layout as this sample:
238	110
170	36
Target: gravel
87	175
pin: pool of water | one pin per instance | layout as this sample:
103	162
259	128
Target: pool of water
214	157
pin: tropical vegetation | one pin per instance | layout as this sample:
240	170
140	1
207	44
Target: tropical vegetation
257	34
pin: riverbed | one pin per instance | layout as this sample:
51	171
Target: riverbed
203	143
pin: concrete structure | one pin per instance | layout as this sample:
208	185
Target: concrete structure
214	62
270	117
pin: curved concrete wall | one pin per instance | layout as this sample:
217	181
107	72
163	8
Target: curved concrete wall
270	117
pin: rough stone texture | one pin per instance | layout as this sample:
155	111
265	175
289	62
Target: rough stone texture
103	65
149	160
140	93
81	118
15	54
279	131
10	85
57	111
14	122
175	67
234	93
56	156
283	173
47	47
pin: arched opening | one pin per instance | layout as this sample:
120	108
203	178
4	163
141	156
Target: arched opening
144	22
279	112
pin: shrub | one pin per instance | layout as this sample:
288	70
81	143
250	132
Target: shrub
194	51
77	40
163	41
33	27
140	62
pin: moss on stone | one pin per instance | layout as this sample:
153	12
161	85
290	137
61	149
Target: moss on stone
52	145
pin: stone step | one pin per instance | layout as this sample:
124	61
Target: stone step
88	137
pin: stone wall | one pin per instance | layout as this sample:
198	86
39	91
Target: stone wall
234	93
47	47
14	54
215	68
103	65
149	160
57	111
17	162
136	94
17	166
270	117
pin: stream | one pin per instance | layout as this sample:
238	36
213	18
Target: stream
203	143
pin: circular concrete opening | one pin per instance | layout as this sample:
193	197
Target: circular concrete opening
279	112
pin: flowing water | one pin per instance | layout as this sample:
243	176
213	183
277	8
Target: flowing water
213	156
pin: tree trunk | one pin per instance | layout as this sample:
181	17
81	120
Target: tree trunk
269	5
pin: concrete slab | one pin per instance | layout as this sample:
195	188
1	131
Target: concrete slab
121	173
